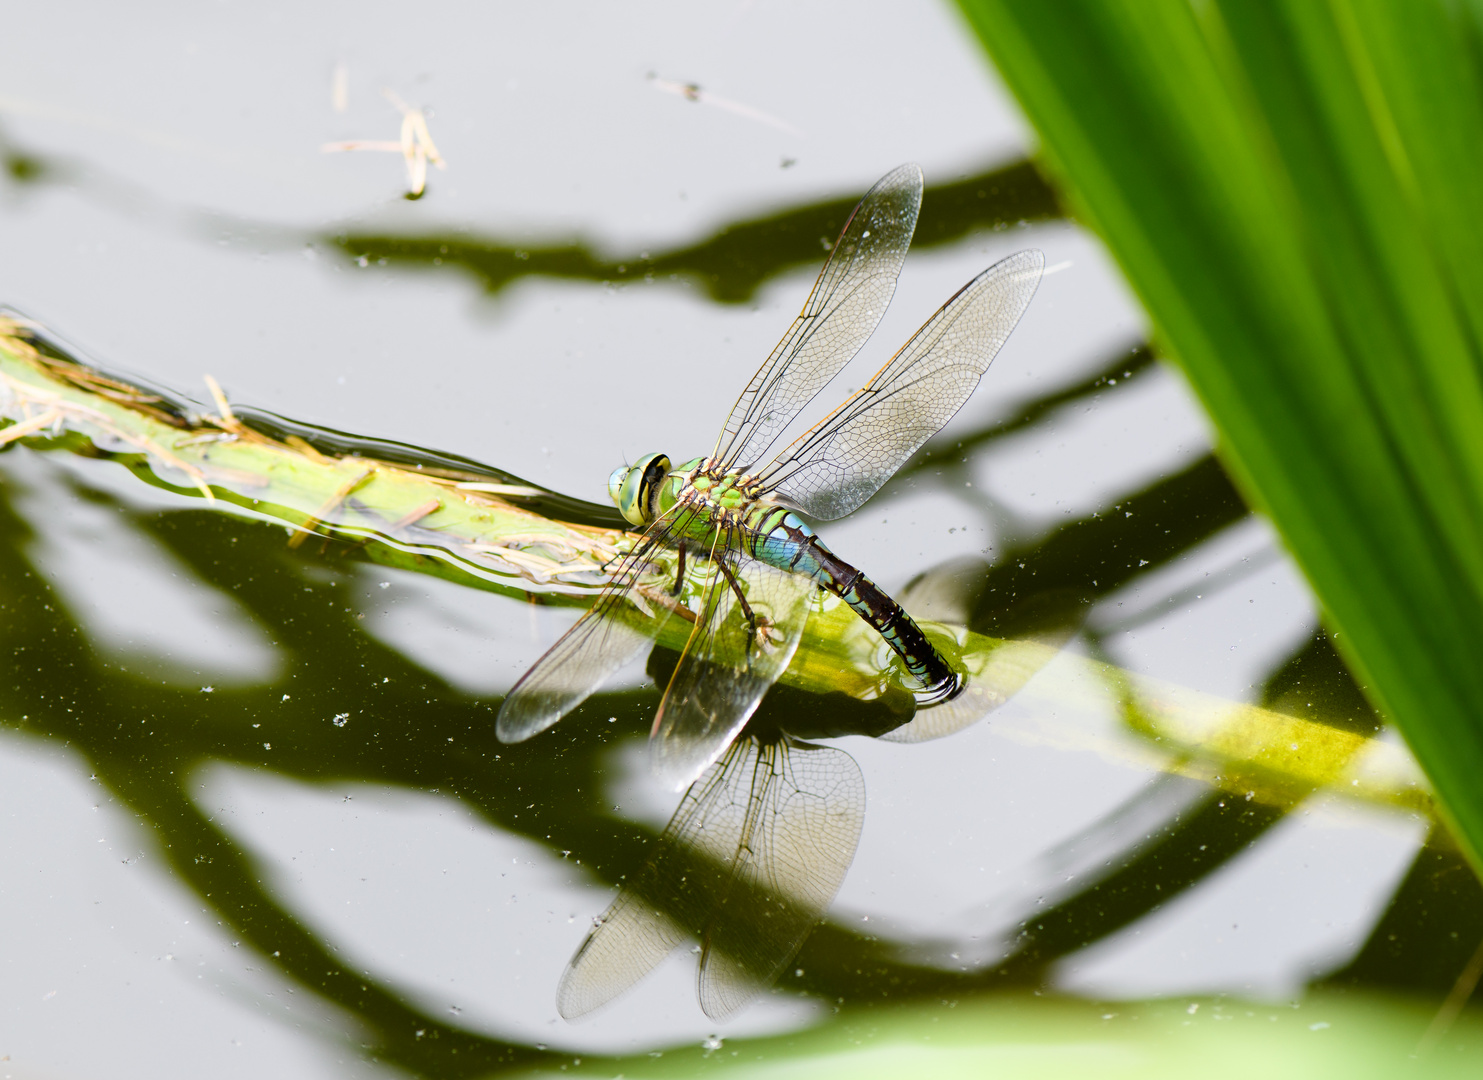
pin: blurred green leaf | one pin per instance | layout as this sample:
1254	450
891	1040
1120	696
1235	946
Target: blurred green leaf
1009	1036
1290	187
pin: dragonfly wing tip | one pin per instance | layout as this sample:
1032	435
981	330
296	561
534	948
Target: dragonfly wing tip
517	725
674	767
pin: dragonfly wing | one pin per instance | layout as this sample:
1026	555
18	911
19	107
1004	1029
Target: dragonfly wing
748	864
800	830
670	899
610	635
842	311
628	941
729	661
833	468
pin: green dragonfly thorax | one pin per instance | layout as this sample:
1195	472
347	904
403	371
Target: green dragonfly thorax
650	488
725	490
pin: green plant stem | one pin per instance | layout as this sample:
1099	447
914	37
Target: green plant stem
405	517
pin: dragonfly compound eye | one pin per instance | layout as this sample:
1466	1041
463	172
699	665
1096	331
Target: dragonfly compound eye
615	484
636	487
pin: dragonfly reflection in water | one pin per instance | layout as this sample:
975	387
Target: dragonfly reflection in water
762	840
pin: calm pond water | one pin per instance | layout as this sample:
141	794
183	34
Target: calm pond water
255	818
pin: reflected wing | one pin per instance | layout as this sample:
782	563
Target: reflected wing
750	860
604	640
729	661
842	461
797	840
842	311
671	898
636	932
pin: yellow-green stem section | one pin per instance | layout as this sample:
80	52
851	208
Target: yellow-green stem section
478	534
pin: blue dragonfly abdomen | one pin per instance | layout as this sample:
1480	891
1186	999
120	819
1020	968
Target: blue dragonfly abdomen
782	539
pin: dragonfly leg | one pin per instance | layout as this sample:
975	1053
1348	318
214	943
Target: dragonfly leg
680	573
747	612
764	635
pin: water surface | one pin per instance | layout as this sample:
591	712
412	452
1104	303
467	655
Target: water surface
216	877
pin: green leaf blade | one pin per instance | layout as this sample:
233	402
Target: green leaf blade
1290	188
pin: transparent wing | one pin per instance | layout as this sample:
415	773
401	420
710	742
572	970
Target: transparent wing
604	640
842	311
671	898
729	661
797	840
630	939
747	865
833	468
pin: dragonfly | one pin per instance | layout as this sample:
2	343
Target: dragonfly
734	515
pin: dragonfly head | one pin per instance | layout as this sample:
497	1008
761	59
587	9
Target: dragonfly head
635	487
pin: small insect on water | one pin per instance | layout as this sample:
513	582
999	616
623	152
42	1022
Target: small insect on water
762	840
